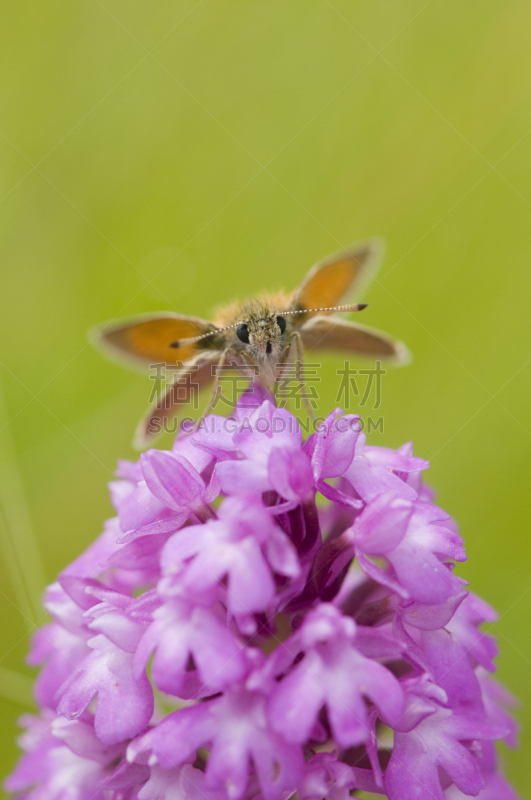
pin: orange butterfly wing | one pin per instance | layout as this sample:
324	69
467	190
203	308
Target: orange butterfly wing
146	340
336	279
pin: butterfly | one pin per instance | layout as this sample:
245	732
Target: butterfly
265	334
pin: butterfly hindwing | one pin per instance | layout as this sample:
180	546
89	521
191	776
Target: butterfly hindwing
329	333
182	391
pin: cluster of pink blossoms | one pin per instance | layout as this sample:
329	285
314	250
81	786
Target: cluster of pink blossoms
267	616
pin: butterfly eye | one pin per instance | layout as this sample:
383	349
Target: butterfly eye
281	322
242	332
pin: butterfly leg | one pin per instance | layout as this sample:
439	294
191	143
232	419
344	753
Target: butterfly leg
294	343
240	363
284	359
218	367
300	360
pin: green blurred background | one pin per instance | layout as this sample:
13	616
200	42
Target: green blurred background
175	155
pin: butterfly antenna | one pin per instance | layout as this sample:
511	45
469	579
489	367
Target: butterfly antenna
191	340
346	309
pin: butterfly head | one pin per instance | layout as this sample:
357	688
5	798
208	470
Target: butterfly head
261	335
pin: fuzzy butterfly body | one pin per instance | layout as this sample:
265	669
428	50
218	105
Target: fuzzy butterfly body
266	334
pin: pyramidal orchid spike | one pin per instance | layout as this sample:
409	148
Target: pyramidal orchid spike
267	616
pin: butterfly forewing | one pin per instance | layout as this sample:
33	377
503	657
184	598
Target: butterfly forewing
338	278
329	333
146	340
